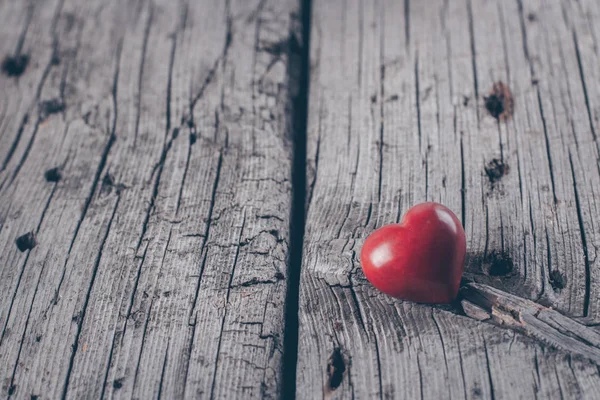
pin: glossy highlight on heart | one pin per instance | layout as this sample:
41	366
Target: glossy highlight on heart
421	259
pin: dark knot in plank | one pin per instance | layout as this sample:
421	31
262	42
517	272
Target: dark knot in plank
53	175
26	242
495	170
49	107
336	367
499	102
14	66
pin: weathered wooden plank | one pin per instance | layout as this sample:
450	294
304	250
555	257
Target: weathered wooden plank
534	319
162	251
409	118
29	34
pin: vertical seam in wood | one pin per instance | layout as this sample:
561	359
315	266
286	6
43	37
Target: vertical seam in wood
463	183
146	221
378	364
586	299
38	93
504	42
316	167
110	356
143	341
12	301
547	139
28	18
101	165
441	339
473	56
12	378
15	143
75	344
489	370
422	396
417	95
207	229
164	368
235	261
381	114
524	35
560	389
537	370
141	72
462	368
219	61
299	206
585	95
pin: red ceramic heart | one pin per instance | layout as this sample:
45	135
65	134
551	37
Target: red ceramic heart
421	259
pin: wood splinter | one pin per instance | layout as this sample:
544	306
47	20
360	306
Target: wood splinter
532	319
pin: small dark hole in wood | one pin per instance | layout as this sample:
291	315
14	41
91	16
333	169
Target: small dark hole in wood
192	138
558	280
279	276
276	48
500	263
38	338
34	397
49	107
175	133
11	389
55	60
499	102
374	98
26	242
466	100
108	180
53	175
495	170
286	45
531	17
476	392
336	366
393	97
117	383
15	66
494	105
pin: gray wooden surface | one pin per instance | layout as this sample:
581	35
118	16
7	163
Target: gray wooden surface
161	254
398	114
155	156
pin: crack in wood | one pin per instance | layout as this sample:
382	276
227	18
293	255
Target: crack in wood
539	322
75	345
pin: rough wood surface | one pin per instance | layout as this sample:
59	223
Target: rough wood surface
149	188
540	322
489	107
162	236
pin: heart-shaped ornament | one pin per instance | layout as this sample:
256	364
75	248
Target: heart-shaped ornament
420	259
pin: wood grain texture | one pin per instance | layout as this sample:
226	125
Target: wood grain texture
161	258
148	184
401	111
